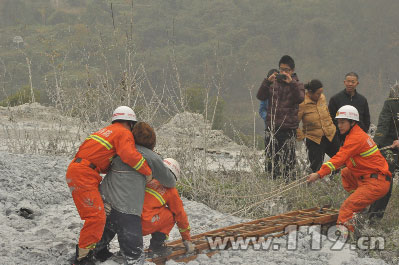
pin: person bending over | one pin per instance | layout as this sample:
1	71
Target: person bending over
366	176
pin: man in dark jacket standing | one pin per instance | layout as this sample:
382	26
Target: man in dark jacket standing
387	134
349	96
284	93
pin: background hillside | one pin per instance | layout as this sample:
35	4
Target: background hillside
198	45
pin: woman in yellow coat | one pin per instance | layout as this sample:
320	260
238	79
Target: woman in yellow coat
317	125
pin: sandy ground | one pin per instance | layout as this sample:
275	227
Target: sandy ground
37	182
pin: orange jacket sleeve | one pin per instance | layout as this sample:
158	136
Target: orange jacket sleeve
175	204
126	150
350	148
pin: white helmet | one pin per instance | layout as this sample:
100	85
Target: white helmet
173	165
347	112
124	113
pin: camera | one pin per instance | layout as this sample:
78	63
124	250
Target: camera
281	77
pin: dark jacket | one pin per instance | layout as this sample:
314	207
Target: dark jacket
358	101
388	123
284	100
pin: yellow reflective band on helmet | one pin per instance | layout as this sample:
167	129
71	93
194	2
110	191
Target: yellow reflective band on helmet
330	165
369	152
139	164
184	230
156	195
102	141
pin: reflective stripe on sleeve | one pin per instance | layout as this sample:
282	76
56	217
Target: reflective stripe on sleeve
330	165
139	164
370	151
156	195
100	140
184	229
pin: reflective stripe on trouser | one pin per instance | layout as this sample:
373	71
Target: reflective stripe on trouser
88	202
368	191
162	222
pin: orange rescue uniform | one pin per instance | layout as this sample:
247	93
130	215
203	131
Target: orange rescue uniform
366	173
83	175
162	209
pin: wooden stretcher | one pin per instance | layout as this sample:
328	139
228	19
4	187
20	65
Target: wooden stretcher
273	226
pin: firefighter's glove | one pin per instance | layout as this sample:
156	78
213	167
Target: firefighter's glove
107	208
190	247
148	178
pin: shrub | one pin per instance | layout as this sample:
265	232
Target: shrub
20	97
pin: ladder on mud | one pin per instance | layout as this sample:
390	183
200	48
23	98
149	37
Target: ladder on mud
273	226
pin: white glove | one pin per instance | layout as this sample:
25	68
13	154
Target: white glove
148	178
190	247
107	208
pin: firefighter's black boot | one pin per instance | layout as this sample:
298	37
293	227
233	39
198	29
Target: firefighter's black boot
103	254
83	259
158	247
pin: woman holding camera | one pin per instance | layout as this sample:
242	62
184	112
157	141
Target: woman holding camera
317	125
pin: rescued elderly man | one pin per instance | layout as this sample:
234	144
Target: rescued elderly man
123	190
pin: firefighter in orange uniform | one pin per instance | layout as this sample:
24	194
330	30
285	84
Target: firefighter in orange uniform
162	209
366	175
83	175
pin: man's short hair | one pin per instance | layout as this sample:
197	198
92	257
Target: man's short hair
286	59
352	74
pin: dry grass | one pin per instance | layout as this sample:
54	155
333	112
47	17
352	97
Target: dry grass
388	228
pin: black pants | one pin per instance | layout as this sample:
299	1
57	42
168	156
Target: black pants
316	151
377	209
129	231
280	152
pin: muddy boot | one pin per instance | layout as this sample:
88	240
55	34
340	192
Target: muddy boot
158	247
83	256
102	254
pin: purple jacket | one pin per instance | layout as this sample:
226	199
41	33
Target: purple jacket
284	100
